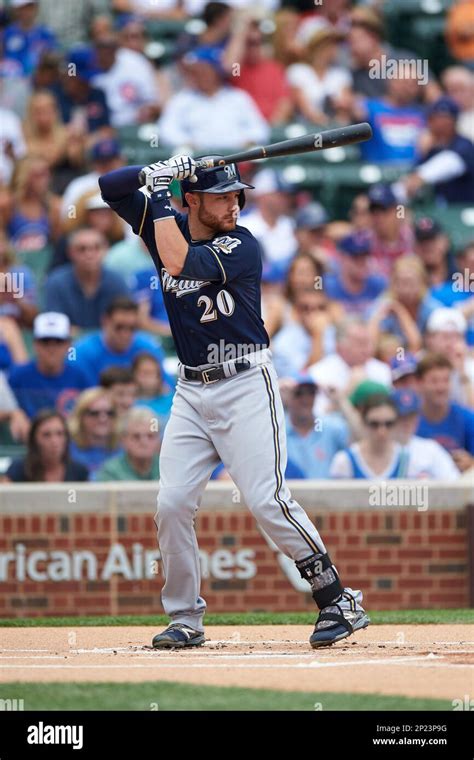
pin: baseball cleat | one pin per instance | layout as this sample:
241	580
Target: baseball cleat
178	636
336	623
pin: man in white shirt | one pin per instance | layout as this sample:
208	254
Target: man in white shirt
352	362
270	222
208	115
12	144
425	458
128	82
445	334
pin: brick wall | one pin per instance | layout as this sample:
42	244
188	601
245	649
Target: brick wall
95	563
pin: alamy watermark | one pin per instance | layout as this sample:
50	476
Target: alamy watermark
395	495
399	68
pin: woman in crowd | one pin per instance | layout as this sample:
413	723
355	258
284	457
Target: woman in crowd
93	427
404	309
34	221
377	455
47	458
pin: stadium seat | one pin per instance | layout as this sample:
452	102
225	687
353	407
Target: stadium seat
37	261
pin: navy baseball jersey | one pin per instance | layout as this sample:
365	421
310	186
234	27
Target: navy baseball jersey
214	304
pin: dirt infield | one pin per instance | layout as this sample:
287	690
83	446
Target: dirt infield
434	661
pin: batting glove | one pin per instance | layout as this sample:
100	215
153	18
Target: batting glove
159	176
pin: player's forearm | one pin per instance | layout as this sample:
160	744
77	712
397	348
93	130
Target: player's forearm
171	244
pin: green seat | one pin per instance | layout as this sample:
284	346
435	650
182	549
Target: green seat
37	261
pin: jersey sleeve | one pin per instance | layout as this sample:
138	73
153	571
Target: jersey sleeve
224	258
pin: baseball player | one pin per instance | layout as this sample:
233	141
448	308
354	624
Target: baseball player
227	405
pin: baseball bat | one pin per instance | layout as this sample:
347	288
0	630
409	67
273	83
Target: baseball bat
331	138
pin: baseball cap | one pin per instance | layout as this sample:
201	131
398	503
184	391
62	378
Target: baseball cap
355	244
365	389
270	181
381	196
427	228
210	55
96	202
21	3
444	105
445	319
407	402
52	324
105	149
304	379
311	217
403	367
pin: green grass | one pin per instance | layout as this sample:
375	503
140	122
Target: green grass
178	696
377	617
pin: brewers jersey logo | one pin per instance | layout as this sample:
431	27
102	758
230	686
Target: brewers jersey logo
225	244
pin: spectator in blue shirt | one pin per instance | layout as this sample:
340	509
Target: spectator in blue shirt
432	246
117	343
48	381
450	424
24	40
459	289
312	443
76	96
353	285
84	289
396	120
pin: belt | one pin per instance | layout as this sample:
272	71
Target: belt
213	374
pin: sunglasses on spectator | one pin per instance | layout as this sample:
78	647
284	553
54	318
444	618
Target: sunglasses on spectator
88	247
376	424
97	412
122	327
52	341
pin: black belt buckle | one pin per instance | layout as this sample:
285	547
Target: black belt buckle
207	379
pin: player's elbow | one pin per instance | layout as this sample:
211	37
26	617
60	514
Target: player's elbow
174	270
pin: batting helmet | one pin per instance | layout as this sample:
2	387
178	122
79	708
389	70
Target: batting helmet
220	179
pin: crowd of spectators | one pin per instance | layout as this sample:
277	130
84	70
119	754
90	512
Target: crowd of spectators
370	313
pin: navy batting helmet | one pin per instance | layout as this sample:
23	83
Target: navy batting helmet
220	179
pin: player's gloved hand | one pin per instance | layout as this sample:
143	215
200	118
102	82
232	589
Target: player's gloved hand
159	176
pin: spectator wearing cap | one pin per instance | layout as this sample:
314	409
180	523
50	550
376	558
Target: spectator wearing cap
352	284
140	441
312	443
208	114
446	161
270	221
260	75
391	235
458	81
318	84
307	337
427	459
451	424
459	292
24	40
105	156
397	122
84	288
82	105
311	223
404	372
404	309
377	455
432	246
351	362
118	342
48	380
128	81
445	334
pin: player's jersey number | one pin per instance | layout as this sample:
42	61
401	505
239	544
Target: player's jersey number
224	302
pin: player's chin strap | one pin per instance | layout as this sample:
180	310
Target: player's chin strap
319	571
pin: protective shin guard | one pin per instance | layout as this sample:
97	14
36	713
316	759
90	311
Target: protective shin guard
319	571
